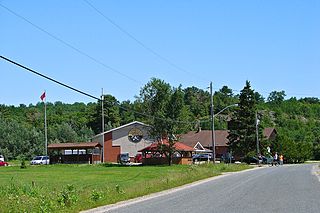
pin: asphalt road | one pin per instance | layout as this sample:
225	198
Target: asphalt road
273	189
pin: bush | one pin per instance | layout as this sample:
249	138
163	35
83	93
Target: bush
68	196
23	164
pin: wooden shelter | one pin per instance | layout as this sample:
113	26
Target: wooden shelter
73	153
155	155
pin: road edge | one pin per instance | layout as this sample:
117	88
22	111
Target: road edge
316	171
124	203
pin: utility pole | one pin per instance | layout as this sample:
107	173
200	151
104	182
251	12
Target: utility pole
257	134
45	125
213	136
102	128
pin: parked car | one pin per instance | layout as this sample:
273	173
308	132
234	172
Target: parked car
3	163
40	160
227	159
124	158
202	157
1	158
138	158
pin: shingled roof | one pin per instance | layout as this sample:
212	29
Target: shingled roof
267	132
178	146
85	145
204	137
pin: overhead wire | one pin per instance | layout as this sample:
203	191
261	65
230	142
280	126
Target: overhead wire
48	78
128	34
70	46
142	44
89	95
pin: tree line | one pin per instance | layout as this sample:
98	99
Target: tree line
170	110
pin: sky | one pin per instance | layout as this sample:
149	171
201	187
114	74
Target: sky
120	45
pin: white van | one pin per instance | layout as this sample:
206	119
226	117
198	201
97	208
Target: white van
40	160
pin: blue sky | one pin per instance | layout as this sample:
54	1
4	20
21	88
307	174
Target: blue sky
274	44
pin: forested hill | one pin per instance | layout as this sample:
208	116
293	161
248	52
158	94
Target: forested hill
296	121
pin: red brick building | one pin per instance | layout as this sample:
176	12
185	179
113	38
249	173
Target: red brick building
128	138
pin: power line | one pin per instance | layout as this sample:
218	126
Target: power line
70	46
48	78
87	94
121	29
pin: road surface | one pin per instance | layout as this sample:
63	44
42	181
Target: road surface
281	189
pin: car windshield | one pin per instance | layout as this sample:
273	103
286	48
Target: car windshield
37	158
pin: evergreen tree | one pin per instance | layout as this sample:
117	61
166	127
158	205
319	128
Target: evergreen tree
242	127
111	114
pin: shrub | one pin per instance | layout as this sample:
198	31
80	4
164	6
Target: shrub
95	195
68	196
23	164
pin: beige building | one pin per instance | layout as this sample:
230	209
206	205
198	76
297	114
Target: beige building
128	138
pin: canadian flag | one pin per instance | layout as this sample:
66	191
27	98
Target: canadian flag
43	96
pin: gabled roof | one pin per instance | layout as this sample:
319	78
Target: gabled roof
178	146
199	148
267	132
221	137
123	126
85	145
204	138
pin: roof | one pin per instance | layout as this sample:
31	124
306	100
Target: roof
221	137
204	138
120	127
267	132
85	145
178	146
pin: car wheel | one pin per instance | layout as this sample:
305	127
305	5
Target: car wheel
5	164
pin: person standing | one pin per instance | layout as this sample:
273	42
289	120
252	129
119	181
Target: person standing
281	159
275	158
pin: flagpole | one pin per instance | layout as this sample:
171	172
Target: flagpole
45	126
102	127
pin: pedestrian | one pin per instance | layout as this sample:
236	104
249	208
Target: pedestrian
275	158
281	159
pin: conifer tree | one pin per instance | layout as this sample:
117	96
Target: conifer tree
242	127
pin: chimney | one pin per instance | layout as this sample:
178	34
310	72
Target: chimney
199	129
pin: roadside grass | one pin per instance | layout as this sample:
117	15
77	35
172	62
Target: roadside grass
71	188
312	161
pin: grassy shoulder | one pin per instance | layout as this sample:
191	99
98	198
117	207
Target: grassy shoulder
71	188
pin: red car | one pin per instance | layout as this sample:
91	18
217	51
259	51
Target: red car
138	158
3	163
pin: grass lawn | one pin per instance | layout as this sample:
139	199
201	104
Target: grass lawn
71	188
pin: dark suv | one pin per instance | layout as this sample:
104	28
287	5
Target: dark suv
202	157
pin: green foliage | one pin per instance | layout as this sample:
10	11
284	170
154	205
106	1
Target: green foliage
223	98
161	105
111	114
242	127
167	105
96	195
198	101
72	188
67	196
276	97
23	164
